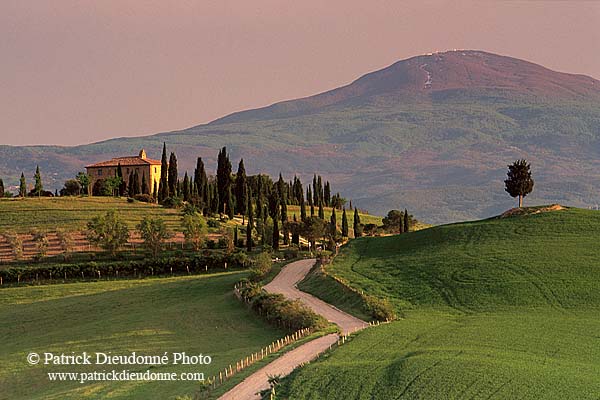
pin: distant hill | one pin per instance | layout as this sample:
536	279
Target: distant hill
432	133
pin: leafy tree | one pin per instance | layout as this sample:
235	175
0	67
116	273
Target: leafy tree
154	232
16	244
38	187
223	176
163	184
71	188
66	241
406	221
85	181
394	221
313	229
113	183
22	186
172	175
108	232
194	229
357	224
250	224
519	183
40	239
344	223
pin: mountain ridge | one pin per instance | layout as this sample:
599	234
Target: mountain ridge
435	138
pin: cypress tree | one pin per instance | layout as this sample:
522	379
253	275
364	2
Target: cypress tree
302	210
163	184
274	205
312	210
344	223
201	182
38	187
22	186
155	191
215	201
321	212
309	196
250	224
357	232
223	176
187	193
230	205
333	222
327	194
401	224
241	187
122	184
320	193
406	221
1	188
172	175
144	183
315	190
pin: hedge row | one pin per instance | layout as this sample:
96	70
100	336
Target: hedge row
277	310
118	269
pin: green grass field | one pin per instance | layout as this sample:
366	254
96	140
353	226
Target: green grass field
196	314
501	308
73	213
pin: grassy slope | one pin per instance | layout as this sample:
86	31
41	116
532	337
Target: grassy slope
503	308
21	215
191	314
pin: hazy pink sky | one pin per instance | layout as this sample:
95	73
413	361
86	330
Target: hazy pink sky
73	72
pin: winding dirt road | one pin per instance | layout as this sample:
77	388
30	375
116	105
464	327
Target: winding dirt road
285	283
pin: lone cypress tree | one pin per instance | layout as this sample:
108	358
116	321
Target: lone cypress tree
22	186
250	224
357	230
344	223
38	187
406	221
519	183
173	174
163	184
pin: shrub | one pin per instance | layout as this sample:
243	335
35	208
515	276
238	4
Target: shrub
275	309
380	309
262	266
291	252
130	199
213	223
144	198
172	202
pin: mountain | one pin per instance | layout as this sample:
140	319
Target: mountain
432	133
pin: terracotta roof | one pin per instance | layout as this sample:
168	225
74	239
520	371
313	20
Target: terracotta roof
125	161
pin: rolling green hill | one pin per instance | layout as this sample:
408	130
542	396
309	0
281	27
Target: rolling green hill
196	315
501	308
432	133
